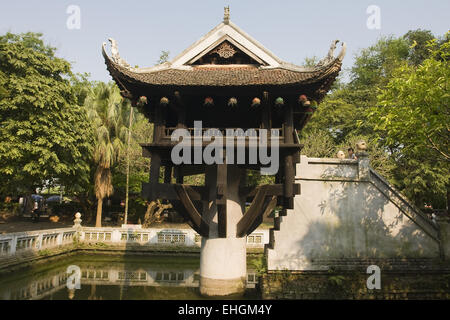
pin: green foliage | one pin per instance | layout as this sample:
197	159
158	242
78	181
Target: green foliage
336	280
417	40
413	117
163	57
45	252
141	132
374	65
44	133
398	102
317	143
255	178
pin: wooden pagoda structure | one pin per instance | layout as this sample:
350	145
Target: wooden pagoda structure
226	79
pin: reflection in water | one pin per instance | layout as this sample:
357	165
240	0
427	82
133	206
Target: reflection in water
114	278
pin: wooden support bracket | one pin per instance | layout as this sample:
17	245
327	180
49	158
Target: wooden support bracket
193	215
256	208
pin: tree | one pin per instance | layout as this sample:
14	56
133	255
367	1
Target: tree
347	115
413	119
105	110
163	57
417	40
132	164
318	143
44	133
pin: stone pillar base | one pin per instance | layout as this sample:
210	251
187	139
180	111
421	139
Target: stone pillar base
222	287
223	266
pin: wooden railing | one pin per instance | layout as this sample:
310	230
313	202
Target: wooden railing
237	132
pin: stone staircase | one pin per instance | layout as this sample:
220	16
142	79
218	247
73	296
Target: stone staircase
404	205
387	194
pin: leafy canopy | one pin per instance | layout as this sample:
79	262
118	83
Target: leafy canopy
44	133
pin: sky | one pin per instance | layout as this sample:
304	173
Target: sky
292	30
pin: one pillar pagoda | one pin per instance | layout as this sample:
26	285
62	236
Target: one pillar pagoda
226	80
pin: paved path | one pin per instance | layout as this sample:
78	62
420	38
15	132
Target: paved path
18	226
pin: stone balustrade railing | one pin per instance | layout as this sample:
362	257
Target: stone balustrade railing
12	243
29	241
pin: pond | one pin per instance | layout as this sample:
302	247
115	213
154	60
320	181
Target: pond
105	277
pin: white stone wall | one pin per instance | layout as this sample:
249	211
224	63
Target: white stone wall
346	212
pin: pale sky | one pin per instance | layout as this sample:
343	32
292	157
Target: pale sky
293	30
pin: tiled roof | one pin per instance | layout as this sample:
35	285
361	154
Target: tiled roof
225	76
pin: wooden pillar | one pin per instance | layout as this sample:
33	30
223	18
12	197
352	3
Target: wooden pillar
168	174
289	172
181	110
289	123
265	116
155	165
289	178
158	129
179	175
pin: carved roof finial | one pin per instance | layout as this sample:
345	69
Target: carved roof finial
226	14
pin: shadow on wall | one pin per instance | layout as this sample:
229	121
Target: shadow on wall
353	219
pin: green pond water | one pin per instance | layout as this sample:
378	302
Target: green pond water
115	278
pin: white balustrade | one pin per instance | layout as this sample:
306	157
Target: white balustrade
29	241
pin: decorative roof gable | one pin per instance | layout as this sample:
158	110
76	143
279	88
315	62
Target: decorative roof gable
226	32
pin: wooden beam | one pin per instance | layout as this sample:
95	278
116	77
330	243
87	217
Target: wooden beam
272	190
256	208
194	215
190	170
168	192
272	203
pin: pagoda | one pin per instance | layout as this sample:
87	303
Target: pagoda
225	81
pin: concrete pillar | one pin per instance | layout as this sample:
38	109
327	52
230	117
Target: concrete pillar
223	261
77	220
363	161
363	166
444	236
77	226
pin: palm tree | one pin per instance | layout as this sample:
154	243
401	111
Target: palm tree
105	109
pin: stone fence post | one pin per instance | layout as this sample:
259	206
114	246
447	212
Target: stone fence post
363	161
77	221
77	225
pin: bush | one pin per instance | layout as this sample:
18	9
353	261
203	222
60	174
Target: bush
10	207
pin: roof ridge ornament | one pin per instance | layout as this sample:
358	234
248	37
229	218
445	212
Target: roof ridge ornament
330	56
115	54
226	15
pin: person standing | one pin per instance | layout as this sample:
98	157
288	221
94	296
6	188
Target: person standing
351	154
35	211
